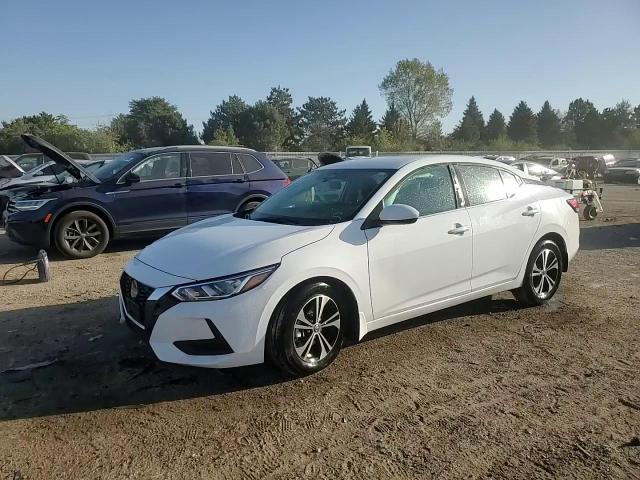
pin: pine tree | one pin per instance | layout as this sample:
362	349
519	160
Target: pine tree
471	126
496	127
393	123
549	129
225	115
522	124
361	124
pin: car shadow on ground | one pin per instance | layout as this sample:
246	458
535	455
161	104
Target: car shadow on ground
610	236
11	252
79	358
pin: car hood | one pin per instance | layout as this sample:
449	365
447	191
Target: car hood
227	245
27	182
74	168
9	168
33	190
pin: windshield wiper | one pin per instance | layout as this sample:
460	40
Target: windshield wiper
281	220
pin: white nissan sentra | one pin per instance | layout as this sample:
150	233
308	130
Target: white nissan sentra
347	249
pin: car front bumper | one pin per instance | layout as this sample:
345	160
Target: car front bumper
214	334
28	232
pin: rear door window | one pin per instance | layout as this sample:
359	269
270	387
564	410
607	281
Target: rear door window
483	184
209	164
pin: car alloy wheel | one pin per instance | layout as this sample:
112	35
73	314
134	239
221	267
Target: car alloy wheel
316	329
544	274
83	236
307	330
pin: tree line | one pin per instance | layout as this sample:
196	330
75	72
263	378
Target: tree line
418	96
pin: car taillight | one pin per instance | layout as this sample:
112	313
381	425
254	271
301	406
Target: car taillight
286	182
573	203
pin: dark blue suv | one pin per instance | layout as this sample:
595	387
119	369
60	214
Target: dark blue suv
149	191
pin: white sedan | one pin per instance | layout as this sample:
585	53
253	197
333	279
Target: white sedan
345	250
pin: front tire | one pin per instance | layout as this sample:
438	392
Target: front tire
306	333
81	234
542	276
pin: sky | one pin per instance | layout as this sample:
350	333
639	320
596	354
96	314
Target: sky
88	59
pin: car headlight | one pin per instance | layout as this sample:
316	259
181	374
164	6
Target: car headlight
223	287
27	205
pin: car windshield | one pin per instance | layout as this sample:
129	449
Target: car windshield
117	165
322	197
29	162
66	177
358	152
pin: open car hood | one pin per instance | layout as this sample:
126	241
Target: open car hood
75	169
9	168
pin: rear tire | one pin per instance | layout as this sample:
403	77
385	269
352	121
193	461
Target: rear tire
306	332
542	275
81	234
248	207
590	212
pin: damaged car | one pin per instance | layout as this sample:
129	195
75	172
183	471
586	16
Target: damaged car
143	192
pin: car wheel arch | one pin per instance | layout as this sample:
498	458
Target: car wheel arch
558	239
254	197
352	331
90	207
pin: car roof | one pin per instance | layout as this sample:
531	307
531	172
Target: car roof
396	162
199	148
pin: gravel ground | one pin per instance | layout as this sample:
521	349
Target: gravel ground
480	390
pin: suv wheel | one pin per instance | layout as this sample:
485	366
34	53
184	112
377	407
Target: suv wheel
81	234
542	276
248	207
307	333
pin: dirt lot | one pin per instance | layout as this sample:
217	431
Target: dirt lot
475	391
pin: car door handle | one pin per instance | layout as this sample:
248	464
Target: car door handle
459	229
177	185
237	180
530	211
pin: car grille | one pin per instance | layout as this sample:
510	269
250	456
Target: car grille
136	304
11	207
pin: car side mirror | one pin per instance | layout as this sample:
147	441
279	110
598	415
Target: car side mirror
131	178
398	214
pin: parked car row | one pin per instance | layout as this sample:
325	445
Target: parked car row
143	192
550	168
625	170
256	271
